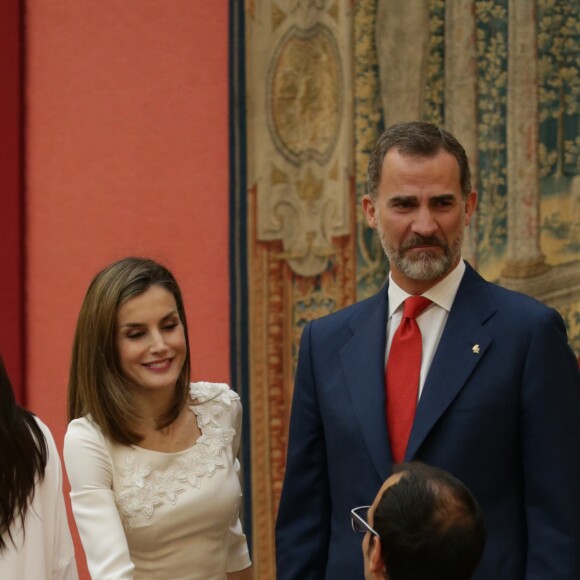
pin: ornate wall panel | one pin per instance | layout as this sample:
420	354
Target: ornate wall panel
300	111
503	76
300	213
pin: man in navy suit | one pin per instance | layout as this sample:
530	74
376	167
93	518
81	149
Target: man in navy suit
498	396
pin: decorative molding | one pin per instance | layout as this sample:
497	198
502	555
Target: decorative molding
281	302
300	113
261	298
304	95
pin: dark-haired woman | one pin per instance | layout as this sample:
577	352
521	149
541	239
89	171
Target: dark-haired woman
151	458
35	541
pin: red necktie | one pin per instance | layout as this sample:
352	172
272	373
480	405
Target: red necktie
402	376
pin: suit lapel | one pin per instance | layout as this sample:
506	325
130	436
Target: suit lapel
363	363
463	344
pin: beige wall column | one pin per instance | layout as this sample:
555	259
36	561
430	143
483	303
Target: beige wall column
461	95
524	256
402	37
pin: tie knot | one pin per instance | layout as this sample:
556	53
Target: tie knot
414	305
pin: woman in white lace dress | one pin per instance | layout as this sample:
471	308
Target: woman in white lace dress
150	457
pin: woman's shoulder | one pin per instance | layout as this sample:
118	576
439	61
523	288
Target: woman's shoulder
85	443
215	404
82	423
48	437
83	429
206	392
45	430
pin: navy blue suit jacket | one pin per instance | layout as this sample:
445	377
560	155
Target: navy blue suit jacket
505	420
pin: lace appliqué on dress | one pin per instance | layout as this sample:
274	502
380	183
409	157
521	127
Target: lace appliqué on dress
144	490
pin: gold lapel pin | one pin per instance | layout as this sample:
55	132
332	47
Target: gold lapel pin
475	349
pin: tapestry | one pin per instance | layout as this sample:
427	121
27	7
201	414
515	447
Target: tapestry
314	82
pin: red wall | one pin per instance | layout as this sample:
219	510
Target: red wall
127	154
11	195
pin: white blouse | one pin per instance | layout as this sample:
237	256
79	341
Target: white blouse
146	514
45	550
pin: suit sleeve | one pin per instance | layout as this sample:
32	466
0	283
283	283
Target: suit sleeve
550	427
303	524
89	469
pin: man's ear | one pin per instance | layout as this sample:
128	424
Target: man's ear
369	211
470	205
376	564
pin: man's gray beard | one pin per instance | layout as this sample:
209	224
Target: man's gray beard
425	265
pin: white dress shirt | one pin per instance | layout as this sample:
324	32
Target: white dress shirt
431	321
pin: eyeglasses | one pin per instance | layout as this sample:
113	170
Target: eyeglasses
358	520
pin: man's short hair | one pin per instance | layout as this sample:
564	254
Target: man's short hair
430	525
416	139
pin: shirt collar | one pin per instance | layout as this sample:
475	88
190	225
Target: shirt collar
442	294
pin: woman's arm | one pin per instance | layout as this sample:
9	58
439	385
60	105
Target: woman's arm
238	553
89	470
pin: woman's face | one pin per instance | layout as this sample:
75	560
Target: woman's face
151	340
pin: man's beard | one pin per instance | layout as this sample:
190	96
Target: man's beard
424	265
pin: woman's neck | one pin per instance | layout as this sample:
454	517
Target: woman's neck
152	407
179	435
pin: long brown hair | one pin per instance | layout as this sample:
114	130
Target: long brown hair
96	383
23	457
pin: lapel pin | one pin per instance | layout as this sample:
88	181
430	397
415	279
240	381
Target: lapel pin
475	349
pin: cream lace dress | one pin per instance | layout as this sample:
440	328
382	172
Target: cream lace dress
147	514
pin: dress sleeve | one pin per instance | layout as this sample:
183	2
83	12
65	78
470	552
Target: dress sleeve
238	553
89	468
59	550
